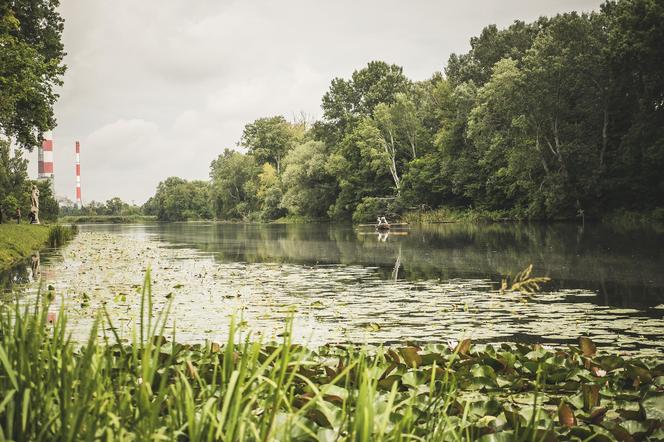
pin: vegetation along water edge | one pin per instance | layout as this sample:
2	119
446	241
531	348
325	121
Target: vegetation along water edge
18	241
57	389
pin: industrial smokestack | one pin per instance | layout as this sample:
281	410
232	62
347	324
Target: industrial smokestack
79	202
45	159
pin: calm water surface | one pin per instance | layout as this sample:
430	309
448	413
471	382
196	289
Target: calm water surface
426	283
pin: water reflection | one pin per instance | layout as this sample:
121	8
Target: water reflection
427	283
622	266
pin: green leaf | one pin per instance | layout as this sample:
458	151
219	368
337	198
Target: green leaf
653	405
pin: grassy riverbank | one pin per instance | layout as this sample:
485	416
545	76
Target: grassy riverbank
106	219
452	215
151	387
18	241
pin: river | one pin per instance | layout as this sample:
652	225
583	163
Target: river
434	283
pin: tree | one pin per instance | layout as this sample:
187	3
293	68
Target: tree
635	52
180	200
310	188
347	101
491	46
13	182
234	185
362	168
30	68
269	193
269	139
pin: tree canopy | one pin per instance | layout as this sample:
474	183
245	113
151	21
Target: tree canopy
31	67
543	120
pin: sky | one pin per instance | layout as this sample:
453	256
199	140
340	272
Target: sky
159	88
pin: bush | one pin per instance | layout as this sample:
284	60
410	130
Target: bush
370	208
58	234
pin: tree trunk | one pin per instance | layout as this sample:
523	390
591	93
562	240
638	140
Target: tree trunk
605	130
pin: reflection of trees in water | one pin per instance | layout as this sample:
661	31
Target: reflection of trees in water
13	276
624	266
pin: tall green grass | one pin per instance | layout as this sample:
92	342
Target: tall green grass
58	234
152	388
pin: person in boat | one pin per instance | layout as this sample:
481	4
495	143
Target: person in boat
383	221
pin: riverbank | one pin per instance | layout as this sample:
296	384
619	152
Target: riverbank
252	390
107	219
18	241
454	215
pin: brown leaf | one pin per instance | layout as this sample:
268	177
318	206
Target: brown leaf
597	415
410	356
588	347
566	415
393	354
463	347
388	370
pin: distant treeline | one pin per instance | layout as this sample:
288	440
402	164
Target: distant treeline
556	118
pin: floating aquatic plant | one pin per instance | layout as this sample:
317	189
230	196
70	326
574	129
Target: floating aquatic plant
523	282
154	388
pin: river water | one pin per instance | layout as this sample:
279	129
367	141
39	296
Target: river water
432	283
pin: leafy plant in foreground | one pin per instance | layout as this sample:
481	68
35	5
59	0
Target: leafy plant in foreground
154	388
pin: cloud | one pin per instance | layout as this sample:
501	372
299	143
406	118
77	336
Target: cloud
159	88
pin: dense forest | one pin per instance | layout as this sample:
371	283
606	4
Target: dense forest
552	119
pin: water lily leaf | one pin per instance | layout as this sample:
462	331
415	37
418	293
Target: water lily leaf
654	406
386	384
588	347
566	415
410	356
637	429
482	371
319	417
514	419
334	390
430	358
373	326
619	432
600	434
611	362
640	374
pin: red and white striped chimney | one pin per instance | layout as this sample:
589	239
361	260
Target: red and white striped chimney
45	158
79	202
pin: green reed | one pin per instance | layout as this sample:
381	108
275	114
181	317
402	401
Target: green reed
152	388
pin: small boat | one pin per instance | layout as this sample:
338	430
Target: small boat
383	226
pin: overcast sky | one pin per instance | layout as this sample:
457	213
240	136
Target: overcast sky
157	88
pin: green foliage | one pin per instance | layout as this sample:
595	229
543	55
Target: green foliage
310	186
30	68
246	390
234	185
269	139
544	120
180	200
18	241
16	188
58	234
370	208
